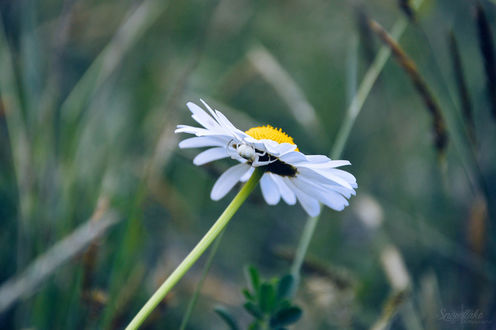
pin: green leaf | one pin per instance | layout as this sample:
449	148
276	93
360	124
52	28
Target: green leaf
285	287
286	316
253	310
267	297
284	304
253	279
227	317
255	326
248	295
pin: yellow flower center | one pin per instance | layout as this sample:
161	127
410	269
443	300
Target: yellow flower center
270	133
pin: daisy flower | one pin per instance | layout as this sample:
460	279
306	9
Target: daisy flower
288	173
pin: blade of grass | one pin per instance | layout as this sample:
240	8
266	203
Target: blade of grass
364	89
20	146
438	125
486	45
138	21
285	86
418	231
350	116
405	6
158	158
365	35
461	83
352	69
45	265
30	61
459	136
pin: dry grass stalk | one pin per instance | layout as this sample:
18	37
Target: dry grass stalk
486	45
390	308
395	269
398	277
439	127
477	226
461	85
94	298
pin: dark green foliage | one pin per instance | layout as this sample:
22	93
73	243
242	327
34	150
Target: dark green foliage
285	286
253	279
285	316
269	302
224	314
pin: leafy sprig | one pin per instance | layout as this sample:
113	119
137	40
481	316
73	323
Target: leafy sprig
268	302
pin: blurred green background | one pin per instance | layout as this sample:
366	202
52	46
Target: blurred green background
91	92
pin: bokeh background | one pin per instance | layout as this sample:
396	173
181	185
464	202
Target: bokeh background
98	205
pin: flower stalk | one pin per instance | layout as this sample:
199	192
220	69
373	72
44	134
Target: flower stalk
344	132
197	251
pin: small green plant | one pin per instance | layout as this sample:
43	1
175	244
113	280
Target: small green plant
269	302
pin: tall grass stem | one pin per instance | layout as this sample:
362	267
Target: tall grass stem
197	251
344	132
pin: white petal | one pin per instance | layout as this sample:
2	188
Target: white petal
190	130
287	194
201	116
309	204
317	158
247	175
320	175
255	143
346	176
210	155
210	110
226	124
342	190
270	190
293	157
339	163
223	120
204	141
228	180
278	149
334	200
325	165
346	192
284	148
270	146
327	196
199	131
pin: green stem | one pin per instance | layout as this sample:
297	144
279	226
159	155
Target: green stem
197	251
342	137
196	293
306	237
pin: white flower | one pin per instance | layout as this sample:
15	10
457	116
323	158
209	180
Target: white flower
289	174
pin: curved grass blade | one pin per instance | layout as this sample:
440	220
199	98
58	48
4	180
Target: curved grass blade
438	124
486	45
